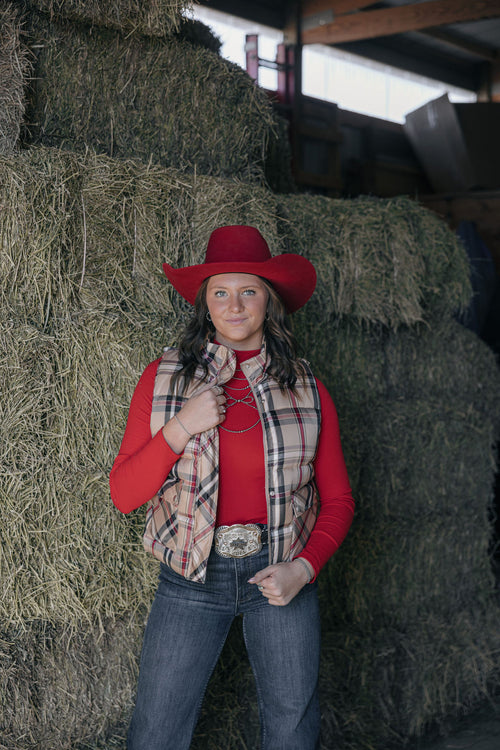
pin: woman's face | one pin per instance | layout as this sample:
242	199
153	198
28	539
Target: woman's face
237	303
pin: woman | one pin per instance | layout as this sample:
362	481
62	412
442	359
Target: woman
235	446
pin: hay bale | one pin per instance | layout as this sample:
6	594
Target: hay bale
409	616
440	668
15	69
390	262
452	676
421	457
88	307
149	214
89	233
58	439
197	33
57	277
409	570
82	241
159	100
406	680
430	442
418	431
152	17
419	439
59	688
350	361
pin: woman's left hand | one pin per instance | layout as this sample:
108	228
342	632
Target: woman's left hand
281	582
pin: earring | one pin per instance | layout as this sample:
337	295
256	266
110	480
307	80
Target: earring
207	316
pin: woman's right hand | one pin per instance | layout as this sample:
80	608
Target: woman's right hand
200	413
205	410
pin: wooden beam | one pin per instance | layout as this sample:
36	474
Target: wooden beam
315	13
399	19
312	7
466	45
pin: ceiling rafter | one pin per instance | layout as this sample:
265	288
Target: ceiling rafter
311	7
465	45
370	24
320	12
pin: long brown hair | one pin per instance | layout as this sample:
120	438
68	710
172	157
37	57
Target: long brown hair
284	366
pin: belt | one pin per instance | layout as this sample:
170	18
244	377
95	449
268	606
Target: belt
240	540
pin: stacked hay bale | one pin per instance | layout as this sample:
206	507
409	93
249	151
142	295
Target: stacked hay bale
82	243
82	239
14	71
410	630
168	99
412	586
152	17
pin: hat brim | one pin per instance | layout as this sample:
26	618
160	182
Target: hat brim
292	276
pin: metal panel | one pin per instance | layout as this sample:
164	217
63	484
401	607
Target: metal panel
435	133
457	144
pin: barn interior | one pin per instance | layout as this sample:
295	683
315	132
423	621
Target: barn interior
125	139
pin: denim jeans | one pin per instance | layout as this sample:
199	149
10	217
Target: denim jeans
186	630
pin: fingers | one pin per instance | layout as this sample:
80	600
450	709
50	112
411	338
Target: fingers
266	585
279	583
212	388
261	574
265	591
217	403
271	591
264	581
220	398
213	396
205	410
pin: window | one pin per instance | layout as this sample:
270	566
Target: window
352	82
232	31
369	87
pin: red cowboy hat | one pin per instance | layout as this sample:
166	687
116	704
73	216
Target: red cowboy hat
241	249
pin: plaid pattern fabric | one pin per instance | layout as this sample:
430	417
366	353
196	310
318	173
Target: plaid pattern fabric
180	519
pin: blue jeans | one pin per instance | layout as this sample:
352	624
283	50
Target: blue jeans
186	630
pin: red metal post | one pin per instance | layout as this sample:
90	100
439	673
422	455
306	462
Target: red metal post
285	57
252	56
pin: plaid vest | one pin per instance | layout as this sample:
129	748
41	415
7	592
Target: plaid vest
180	519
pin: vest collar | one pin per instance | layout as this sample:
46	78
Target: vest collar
221	362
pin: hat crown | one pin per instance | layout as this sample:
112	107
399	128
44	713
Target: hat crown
238	244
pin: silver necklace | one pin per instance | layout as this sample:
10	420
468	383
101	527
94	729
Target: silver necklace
247	429
247	399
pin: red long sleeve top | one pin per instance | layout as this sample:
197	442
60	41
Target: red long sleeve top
144	462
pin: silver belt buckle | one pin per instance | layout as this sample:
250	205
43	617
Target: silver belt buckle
239	540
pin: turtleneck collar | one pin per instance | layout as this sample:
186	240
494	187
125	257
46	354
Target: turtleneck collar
243	354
